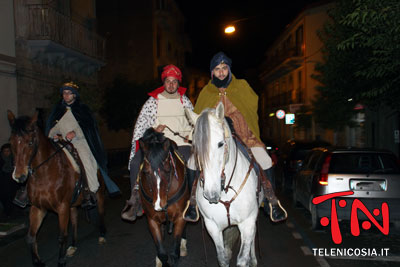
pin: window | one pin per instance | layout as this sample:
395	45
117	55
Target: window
161	4
365	163
158	44
299	41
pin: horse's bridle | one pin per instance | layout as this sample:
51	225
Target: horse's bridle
226	158
227	204
172	172
34	142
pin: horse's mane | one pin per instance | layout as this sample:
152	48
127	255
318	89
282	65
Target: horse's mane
20	125
155	141
201	138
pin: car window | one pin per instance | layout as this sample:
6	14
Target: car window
299	154
314	160
364	163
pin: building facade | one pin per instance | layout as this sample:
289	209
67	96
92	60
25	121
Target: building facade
142	37
54	42
288	85
8	77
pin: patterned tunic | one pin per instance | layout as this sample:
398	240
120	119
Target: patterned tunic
147	118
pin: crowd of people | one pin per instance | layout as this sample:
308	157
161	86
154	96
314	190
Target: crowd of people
73	121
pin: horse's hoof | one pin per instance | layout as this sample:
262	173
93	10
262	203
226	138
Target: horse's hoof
102	240
158	262
183	248
71	251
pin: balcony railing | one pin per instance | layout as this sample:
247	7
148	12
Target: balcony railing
286	98
280	57
46	23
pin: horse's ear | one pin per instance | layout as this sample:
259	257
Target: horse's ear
34	119
142	144
166	144
11	117
191	116
220	111
173	146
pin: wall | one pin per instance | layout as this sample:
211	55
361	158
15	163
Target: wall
8	84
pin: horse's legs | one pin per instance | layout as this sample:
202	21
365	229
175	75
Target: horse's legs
36	216
74	223
183	243
230	235
63	220
162	255
216	235
100	208
179	226
253	257
247	235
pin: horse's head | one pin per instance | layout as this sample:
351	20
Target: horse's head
157	169
211	148
24	143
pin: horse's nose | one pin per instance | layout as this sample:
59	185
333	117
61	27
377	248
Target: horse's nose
21	179
212	197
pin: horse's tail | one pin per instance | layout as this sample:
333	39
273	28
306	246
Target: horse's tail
231	235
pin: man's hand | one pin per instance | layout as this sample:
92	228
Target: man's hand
57	137
160	128
70	136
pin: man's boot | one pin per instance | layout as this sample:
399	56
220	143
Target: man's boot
133	207
89	199
21	197
191	212
271	203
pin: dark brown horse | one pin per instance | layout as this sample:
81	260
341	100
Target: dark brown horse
51	182
164	193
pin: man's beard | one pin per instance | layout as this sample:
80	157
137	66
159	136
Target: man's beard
221	83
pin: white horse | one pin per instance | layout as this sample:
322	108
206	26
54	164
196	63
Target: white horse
230	202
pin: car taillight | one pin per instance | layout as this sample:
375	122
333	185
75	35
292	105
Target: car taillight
323	178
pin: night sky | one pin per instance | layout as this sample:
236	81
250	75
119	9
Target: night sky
263	21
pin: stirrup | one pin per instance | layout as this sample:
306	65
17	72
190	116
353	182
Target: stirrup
278	203
185	215
20	203
89	201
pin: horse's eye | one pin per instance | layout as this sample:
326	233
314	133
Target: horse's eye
220	144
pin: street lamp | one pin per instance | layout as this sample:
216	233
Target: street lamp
230	29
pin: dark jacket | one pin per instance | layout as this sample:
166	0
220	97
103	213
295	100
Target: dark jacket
89	127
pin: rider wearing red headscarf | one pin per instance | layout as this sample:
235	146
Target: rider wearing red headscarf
164	111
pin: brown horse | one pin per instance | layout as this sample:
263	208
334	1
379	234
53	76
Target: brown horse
164	193
51	184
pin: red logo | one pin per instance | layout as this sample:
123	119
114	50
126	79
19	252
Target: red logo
354	222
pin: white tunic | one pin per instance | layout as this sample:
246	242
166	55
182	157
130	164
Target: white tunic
67	124
171	112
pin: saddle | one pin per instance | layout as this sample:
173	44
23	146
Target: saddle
81	184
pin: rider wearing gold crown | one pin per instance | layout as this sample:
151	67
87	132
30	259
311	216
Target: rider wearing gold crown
240	105
73	121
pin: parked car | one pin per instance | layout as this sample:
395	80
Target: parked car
291	153
373	175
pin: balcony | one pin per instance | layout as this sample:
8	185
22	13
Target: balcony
289	99
55	37
281	63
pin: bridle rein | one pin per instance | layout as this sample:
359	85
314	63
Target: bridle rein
34	142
